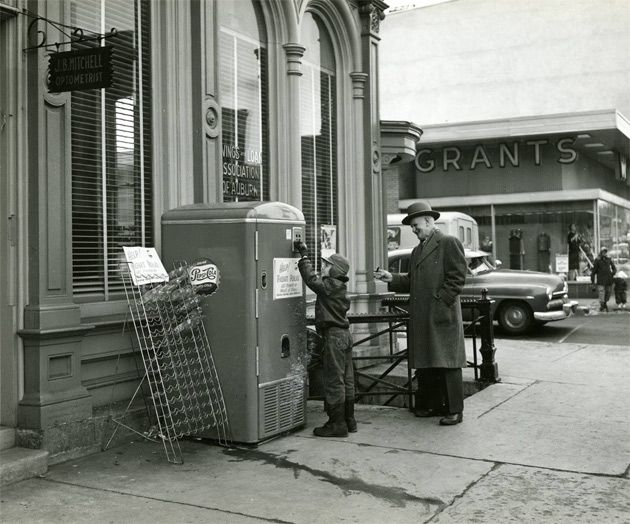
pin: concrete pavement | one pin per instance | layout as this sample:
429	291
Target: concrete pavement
550	443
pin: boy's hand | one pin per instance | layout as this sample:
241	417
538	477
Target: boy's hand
301	248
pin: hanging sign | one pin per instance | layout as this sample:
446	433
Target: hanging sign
81	69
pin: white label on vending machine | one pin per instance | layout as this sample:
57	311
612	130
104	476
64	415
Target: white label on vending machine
287	281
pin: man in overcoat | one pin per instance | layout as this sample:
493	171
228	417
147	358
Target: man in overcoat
437	271
603	274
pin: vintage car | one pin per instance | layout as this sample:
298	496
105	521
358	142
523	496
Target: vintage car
522	299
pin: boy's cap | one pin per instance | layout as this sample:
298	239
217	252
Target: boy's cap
339	263
621	274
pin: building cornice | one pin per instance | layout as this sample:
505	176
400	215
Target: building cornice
399	140
527	126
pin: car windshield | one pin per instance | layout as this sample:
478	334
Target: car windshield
479	265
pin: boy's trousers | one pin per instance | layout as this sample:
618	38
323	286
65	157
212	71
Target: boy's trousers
338	373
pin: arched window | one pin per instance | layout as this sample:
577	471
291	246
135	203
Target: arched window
318	105
243	99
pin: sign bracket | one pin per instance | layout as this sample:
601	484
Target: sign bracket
73	33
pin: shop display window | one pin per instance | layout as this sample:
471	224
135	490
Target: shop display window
534	236
111	149
318	105
614	223
244	106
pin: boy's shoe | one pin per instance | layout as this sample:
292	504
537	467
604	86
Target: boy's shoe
336	425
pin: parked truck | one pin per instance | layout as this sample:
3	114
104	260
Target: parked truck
452	223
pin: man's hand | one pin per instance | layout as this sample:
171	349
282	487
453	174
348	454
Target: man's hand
300	247
382	274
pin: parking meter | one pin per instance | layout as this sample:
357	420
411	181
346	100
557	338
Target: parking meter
256	321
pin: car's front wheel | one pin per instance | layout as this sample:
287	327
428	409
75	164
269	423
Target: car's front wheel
515	318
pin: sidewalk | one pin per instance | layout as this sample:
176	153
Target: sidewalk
550	443
589	306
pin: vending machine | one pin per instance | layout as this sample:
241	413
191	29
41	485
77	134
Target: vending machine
255	321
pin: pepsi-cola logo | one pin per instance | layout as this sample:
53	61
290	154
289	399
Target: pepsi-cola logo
204	277
203	274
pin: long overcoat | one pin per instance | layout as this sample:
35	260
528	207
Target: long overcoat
603	271
435	280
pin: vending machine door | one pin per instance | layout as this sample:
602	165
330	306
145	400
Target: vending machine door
281	330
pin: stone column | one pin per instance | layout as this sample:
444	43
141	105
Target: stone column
359	80
52	332
369	185
371	13
290	184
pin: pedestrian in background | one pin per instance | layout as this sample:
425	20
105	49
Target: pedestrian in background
437	271
620	286
602	275
331	322
573	241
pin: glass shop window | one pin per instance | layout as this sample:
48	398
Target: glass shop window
111	149
614	223
551	219
318	130
243	98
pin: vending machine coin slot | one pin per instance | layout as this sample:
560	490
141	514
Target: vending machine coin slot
297	236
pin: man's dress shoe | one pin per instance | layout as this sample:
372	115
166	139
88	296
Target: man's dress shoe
451	420
425	412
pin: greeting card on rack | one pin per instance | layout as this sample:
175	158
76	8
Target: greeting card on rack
145	265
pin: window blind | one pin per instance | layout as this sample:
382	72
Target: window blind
319	153
111	150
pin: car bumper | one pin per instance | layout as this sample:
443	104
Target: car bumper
568	308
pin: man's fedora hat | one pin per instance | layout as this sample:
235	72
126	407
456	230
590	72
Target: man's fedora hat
419	209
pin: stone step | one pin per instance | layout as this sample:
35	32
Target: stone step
7	437
21	463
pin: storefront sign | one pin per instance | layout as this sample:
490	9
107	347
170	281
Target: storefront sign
80	70
456	158
241	174
145	265
287	281
562	263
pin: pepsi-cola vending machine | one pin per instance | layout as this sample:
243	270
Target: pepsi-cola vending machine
255	321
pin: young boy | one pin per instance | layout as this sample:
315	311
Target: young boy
332	324
620	286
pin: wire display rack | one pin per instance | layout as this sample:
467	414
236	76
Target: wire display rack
179	370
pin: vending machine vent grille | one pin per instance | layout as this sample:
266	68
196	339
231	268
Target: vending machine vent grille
283	406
